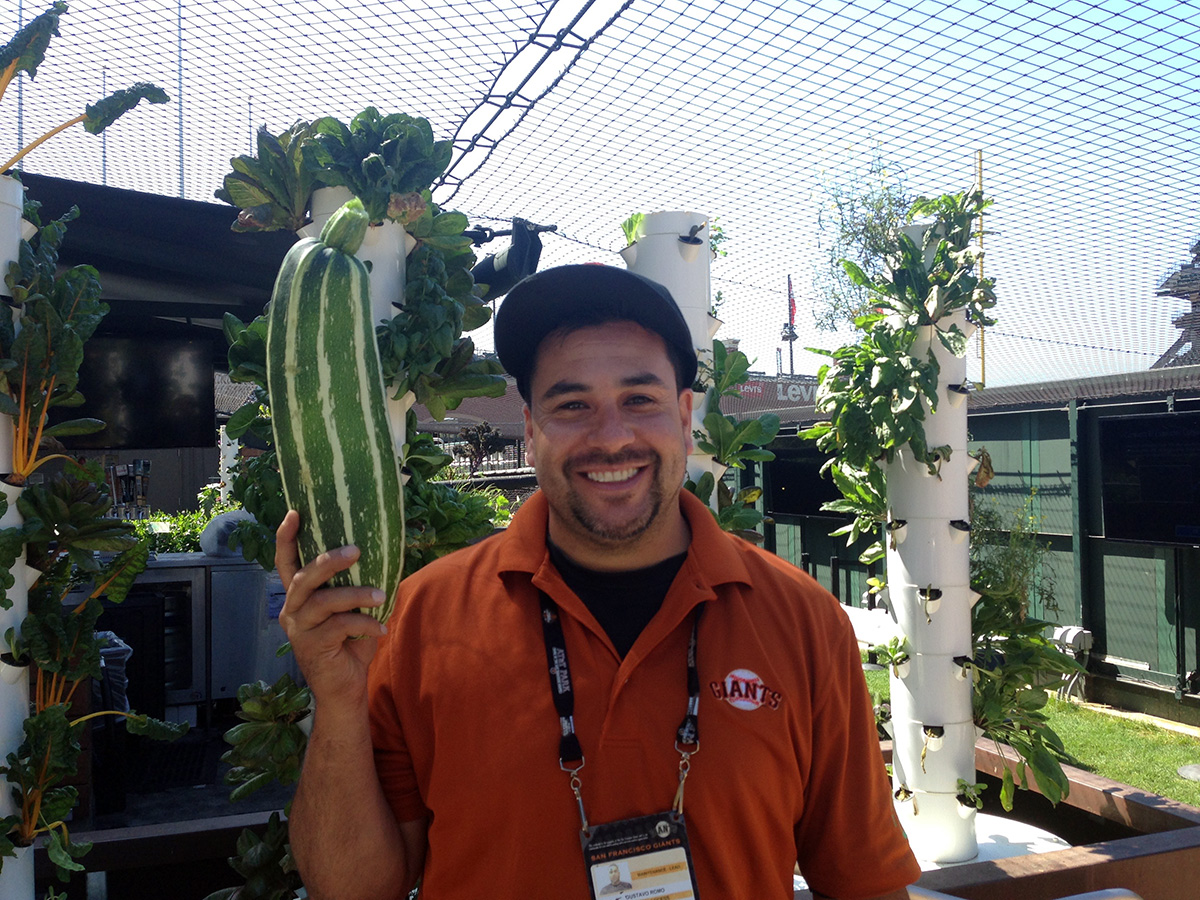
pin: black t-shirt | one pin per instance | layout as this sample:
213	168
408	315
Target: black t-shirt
622	602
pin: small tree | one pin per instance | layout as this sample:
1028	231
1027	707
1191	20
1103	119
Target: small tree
479	442
860	210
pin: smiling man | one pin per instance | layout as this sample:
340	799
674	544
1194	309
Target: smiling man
541	700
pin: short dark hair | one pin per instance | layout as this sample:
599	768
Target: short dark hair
566	298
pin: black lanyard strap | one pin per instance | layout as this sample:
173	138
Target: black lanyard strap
570	752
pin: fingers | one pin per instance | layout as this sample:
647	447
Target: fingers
287	551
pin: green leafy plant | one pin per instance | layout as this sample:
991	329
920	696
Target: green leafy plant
716	241
387	161
1013	663
731	443
274	187
180	532
65	527
39	365
25	52
875	392
632	228
893	654
970	794
66	535
378	157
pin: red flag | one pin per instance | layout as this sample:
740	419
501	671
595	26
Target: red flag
791	303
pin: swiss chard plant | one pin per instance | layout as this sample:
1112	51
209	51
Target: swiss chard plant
26	51
39	364
66	536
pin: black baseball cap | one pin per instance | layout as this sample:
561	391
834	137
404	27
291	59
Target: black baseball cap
578	296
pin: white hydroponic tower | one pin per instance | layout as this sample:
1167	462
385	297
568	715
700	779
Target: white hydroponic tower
16	874
928	577
673	250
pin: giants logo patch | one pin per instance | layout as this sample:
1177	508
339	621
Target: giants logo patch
743	689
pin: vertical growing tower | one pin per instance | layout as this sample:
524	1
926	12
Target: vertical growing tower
897	432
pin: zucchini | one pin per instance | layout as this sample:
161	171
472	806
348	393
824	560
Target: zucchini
325	384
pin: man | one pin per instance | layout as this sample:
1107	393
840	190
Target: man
615	883
677	654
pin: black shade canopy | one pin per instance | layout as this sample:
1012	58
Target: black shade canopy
168	267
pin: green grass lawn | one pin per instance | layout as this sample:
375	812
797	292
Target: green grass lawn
1134	753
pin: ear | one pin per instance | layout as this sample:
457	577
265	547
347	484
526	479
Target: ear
686	398
529	451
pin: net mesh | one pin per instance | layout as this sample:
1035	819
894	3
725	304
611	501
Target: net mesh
577	114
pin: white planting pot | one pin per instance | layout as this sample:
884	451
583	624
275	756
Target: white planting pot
943	631
948	425
16	877
929	554
14	696
12	200
915	494
940	695
953	369
662	257
937	831
943	766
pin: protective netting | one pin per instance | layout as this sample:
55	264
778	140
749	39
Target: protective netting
576	114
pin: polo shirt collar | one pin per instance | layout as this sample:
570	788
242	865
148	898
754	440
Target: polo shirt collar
713	558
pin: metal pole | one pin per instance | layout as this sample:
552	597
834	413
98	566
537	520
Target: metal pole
104	134
179	87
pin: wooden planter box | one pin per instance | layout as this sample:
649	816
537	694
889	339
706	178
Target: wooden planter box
1121	838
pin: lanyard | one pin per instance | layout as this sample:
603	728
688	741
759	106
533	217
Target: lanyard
570	753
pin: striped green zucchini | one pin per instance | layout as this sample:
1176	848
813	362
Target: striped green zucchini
336	455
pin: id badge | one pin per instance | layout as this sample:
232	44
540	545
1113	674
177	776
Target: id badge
647	858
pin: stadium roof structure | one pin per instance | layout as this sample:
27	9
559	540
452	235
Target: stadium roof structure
579	112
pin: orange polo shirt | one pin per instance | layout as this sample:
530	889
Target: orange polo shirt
789	767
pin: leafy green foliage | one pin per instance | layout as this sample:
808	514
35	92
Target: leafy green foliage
440	519
265	861
104	112
27	48
877	391
376	156
1013	662
893	654
864	499
70	510
872	392
731	443
268	745
862	206
273	188
632	228
180	532
970	794
66	536
39	367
